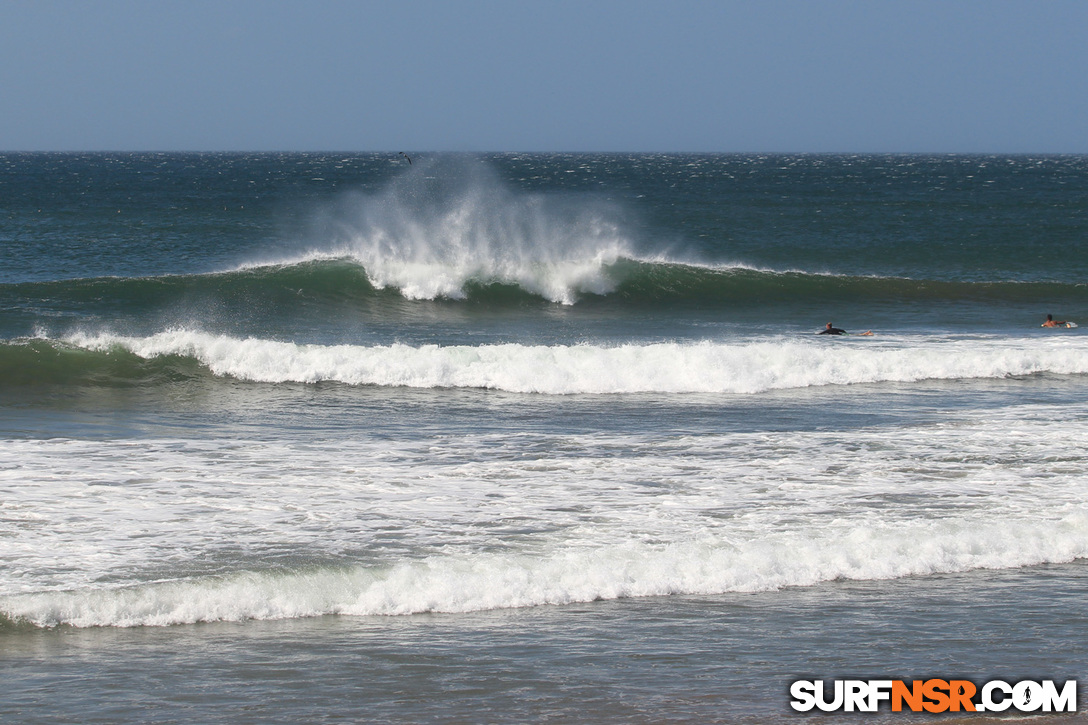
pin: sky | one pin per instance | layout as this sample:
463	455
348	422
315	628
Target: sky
968	76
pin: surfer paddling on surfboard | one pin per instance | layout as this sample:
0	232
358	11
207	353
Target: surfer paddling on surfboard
1051	322
829	330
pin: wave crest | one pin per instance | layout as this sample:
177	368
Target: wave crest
451	222
666	367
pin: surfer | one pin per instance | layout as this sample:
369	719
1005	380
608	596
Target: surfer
830	330
1051	322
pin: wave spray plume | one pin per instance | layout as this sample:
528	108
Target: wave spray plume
450	222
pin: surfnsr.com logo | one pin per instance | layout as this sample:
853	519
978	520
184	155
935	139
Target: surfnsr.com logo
934	696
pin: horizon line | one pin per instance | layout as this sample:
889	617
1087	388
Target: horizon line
525	151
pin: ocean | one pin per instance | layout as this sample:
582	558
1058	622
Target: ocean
535	437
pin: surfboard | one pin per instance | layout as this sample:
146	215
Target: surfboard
1064	324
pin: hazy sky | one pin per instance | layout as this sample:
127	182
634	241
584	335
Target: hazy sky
541	75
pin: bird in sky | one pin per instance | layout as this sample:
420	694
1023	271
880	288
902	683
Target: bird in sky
407	157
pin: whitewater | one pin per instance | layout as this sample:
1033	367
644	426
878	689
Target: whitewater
675	367
470	522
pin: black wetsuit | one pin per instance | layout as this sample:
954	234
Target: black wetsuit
831	331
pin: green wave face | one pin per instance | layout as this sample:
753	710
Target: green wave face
36	362
283	289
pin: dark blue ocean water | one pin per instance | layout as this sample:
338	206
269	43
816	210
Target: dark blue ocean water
534	437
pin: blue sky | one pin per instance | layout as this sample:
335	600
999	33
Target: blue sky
507	75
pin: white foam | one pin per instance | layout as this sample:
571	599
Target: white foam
152	532
695	367
460	583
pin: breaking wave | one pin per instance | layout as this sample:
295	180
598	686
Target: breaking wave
666	367
451	223
493	581
333	282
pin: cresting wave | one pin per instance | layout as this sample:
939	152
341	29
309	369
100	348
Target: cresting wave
451	230
452	223
491	581
674	367
629	281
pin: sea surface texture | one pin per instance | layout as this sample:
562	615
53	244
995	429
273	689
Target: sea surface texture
535	437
